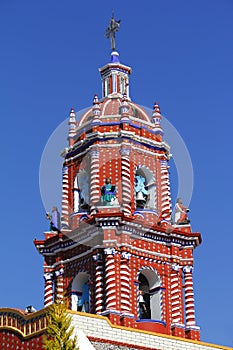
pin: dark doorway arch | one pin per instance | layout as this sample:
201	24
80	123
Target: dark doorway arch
150	289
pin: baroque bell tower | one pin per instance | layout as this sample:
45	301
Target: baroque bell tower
119	253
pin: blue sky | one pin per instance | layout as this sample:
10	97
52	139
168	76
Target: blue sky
181	53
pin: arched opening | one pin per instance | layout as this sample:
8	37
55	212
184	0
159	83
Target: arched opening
145	188
80	292
149	295
81	191
144	298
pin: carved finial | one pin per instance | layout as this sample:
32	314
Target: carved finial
111	30
96	107
156	114
72	125
96	99
72	114
124	107
72	119
156	107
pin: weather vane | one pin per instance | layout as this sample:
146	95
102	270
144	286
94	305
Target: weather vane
111	30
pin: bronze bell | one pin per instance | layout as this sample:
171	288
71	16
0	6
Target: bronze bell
140	197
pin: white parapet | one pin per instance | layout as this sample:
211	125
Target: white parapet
98	328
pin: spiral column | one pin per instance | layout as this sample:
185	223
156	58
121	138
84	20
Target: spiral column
164	274
189	296
110	279
126	185
124	279
94	179
59	283
165	191
65	198
176	306
99	300
48	289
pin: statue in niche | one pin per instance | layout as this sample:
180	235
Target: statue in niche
84	192
181	217
54	218
141	191
108	193
83	298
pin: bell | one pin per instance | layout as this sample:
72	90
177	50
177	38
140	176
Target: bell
140	197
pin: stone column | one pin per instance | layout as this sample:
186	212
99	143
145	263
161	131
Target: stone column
59	283
65	198
177	323
189	296
94	179
176	295
166	208
110	279
126	185
48	289
99	300
164	283
125	278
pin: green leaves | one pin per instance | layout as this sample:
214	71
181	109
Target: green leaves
59	331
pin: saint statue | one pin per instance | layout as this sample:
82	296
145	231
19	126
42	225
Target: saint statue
108	192
84	192
54	218
181	217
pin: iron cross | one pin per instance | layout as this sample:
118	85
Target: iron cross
111	30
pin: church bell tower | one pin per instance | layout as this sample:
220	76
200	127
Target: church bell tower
119	252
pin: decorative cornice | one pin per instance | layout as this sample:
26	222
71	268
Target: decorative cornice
117	66
82	147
